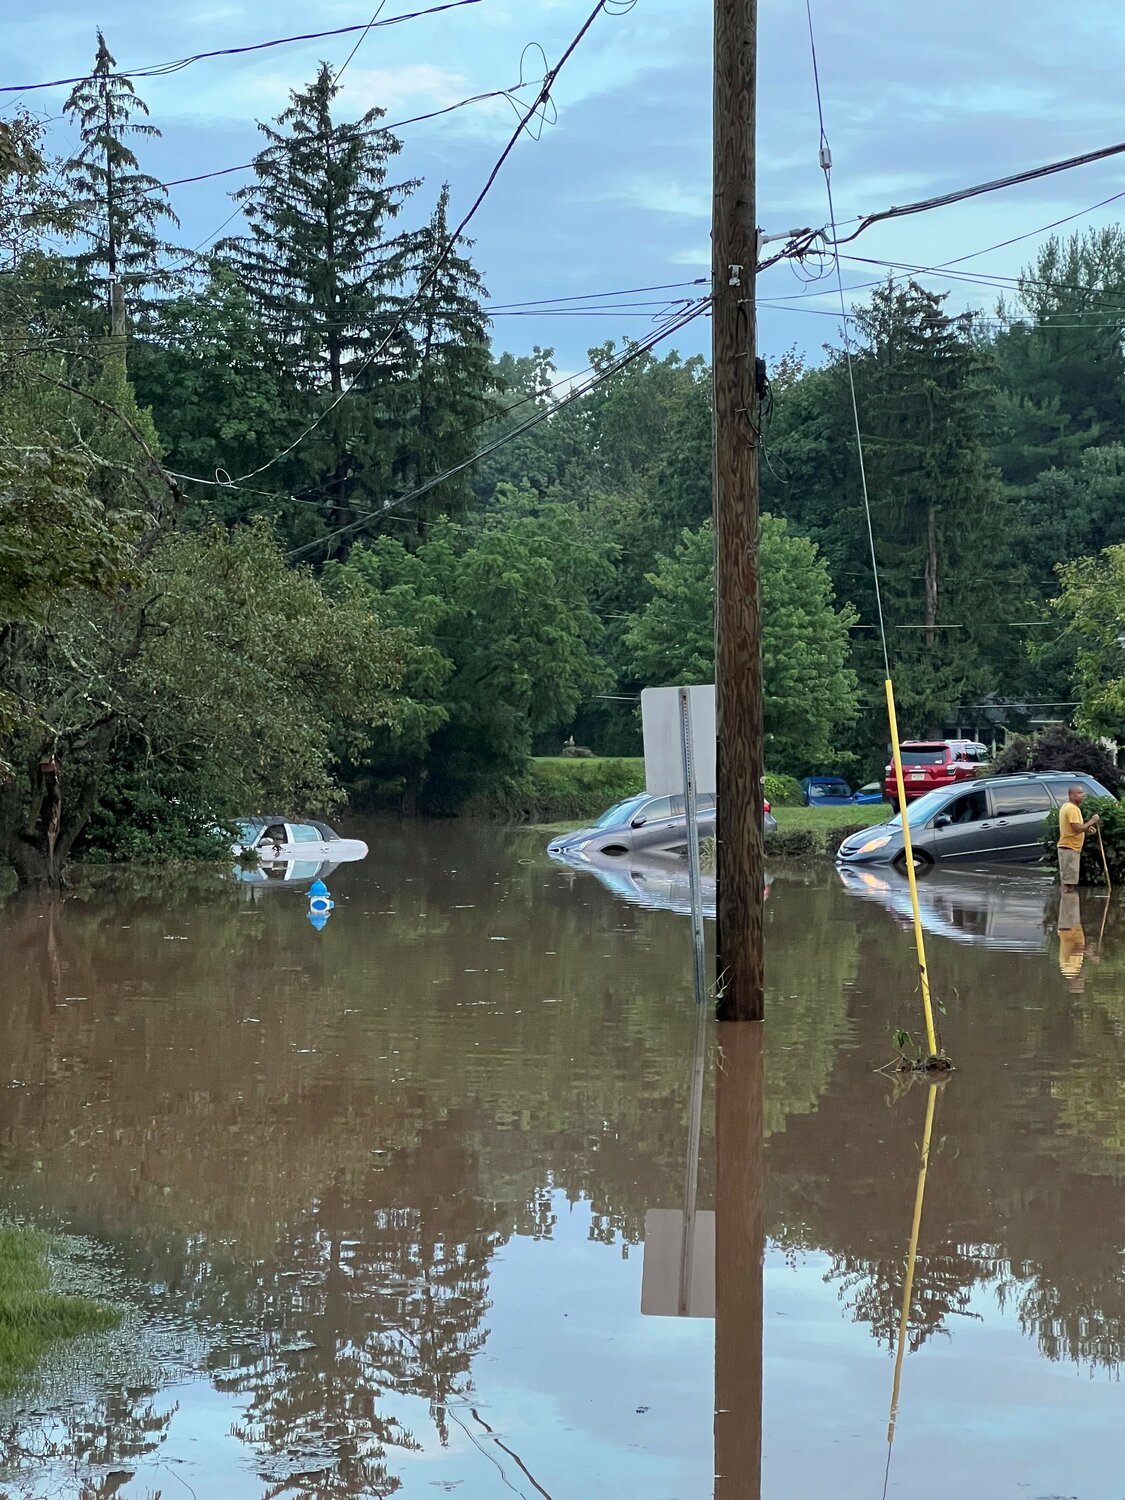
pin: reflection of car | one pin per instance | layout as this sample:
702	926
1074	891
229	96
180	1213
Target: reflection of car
643	823
997	910
274	840
834	791
1000	818
931	764
293	874
657	883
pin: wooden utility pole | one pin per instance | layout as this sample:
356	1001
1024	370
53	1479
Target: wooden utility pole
738	653
739	1251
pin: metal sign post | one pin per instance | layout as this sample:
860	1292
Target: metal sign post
695	875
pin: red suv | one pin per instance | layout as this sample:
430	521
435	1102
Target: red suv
927	764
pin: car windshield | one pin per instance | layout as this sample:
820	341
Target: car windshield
620	812
923	755
247	830
923	810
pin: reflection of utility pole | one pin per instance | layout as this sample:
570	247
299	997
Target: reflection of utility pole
739	1248
738	653
911	1262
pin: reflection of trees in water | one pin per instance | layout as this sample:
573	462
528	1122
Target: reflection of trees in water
312	1146
382	1285
110	1429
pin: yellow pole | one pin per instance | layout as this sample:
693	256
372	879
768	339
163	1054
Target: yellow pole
919	940
911	1259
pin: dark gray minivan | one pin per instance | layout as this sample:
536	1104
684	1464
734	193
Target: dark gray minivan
997	819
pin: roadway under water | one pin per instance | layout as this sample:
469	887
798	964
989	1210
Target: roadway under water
374	1199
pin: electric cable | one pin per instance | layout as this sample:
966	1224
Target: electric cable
634	352
161	70
996	184
359	41
826	166
453	240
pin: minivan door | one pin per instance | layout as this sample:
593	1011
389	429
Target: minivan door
1018	813
965	830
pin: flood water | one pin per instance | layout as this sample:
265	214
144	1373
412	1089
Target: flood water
374	1199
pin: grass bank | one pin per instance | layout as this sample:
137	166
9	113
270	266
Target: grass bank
33	1318
558	789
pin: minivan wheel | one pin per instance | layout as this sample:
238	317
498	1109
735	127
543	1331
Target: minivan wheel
922	862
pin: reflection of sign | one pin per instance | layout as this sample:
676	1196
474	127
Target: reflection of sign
664	762
674	1284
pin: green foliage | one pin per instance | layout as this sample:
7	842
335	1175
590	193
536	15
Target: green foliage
793	843
782	791
32	1318
1112	827
1092	602
504	638
1057	749
556	790
809	691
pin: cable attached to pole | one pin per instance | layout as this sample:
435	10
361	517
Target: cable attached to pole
933	1053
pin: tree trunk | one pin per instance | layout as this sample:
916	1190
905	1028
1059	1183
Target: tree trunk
931	576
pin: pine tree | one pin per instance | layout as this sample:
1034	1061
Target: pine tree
941	532
326	274
122	206
453	392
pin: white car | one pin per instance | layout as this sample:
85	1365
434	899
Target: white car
277	841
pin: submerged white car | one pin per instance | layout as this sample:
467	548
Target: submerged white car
276	841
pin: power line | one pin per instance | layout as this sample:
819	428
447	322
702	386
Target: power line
996	184
359	41
160	70
538	103
634	352
354	135
826	166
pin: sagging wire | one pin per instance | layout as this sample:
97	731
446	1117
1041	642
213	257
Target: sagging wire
454	239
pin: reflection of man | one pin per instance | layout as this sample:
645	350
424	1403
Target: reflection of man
1072	835
1072	941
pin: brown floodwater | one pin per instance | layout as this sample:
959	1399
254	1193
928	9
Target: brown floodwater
395	1207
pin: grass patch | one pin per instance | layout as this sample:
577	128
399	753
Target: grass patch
826	819
558	789
32	1318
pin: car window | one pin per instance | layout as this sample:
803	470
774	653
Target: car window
275	834
658	808
304	833
1020	797
705	802
971	807
927	755
620	812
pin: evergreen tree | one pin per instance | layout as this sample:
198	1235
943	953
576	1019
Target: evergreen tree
453	390
326	272
1062	367
122	207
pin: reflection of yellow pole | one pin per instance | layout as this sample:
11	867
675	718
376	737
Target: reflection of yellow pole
919	940
911	1258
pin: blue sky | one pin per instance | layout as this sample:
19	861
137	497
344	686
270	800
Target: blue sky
918	100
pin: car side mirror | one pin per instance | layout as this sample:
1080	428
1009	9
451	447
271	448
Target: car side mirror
943	820
637	823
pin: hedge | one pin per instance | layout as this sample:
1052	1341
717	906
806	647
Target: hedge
782	791
559	790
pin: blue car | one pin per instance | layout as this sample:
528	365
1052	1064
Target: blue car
834	791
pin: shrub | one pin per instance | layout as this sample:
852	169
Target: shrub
782	791
558	790
1113	837
793	843
1057	749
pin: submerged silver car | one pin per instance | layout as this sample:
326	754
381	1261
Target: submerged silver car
642	824
999	819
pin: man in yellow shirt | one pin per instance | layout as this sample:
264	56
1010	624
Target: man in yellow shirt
1072	835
